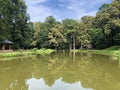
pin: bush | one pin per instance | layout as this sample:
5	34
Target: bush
34	49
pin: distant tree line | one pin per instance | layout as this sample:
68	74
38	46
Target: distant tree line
100	31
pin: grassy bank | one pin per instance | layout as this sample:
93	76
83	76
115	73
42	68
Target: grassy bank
106	52
26	52
113	51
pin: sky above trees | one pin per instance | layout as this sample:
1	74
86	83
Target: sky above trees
61	9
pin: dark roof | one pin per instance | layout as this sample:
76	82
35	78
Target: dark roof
6	42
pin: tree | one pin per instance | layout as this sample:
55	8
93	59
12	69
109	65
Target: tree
56	36
14	22
97	38
20	26
36	37
41	38
45	29
103	7
28	35
70	30
5	19
109	22
85	27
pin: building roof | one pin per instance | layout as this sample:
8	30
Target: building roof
6	42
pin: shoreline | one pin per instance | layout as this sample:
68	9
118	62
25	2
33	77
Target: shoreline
25	53
15	54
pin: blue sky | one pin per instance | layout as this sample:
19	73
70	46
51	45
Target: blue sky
61	9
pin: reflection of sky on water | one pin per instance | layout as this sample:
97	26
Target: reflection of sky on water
35	84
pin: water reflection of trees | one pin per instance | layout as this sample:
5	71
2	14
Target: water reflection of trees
93	71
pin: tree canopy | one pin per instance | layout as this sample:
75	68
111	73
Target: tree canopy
100	31
14	23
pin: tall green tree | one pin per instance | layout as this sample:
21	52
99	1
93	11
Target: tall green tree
14	22
109	22
56	35
20	27
49	23
41	37
70	30
36	36
85	27
28	35
5	19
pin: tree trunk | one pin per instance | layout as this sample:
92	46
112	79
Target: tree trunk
81	46
55	48
70	47
74	43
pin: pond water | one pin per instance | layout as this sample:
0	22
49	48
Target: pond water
61	71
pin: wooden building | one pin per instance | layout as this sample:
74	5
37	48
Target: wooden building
6	45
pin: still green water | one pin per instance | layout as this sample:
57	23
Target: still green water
61	71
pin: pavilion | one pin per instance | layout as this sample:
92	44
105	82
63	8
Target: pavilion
6	45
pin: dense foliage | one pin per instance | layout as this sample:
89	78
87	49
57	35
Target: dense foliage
100	31
14	23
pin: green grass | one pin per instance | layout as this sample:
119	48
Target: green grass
115	54
44	51
26	52
113	51
14	57
15	53
113	48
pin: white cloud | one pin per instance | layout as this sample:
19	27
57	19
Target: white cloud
84	7
66	8
37	13
35	1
